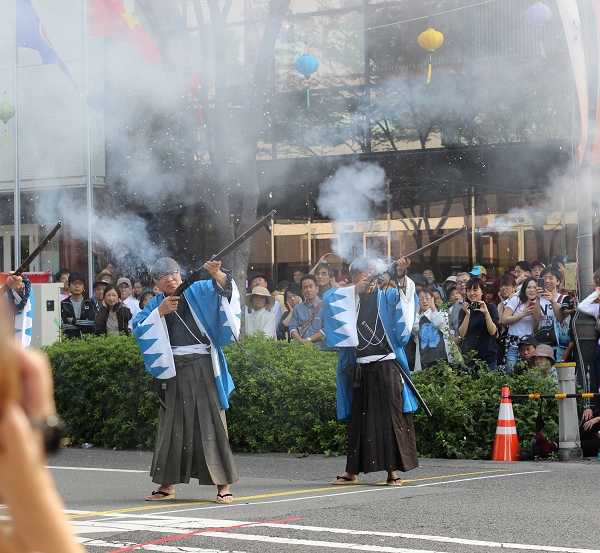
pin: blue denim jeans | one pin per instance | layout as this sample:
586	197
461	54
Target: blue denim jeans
492	366
512	357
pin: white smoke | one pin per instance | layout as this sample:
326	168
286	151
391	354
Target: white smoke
352	195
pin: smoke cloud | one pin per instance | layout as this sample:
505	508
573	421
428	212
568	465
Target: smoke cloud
353	194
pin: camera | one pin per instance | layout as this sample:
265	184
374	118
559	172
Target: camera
562	259
541	283
474	305
567	303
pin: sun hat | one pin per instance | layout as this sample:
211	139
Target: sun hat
260	291
105	276
543	350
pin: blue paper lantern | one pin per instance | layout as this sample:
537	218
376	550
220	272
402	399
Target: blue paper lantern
539	14
307	65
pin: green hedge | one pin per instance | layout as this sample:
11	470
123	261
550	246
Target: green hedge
103	391
287	403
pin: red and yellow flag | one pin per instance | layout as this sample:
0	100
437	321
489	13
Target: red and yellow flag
111	19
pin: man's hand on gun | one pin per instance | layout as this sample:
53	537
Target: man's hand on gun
168	305
15	283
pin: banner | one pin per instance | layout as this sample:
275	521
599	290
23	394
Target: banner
112	19
31	34
569	14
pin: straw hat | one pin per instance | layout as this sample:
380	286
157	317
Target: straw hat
105	276
260	291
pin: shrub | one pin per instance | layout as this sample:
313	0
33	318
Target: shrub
287	403
103	391
465	410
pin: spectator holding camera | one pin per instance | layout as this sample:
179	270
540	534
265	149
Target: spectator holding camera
518	317
478	324
549	307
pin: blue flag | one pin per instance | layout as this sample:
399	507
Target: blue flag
31	34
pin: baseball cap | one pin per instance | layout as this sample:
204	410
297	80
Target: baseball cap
450	279
76	276
124	280
478	270
529	340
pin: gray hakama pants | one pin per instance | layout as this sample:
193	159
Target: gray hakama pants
192	440
380	435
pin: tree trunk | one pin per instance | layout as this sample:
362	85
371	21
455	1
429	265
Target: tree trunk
218	131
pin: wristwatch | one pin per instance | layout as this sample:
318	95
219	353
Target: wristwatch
52	428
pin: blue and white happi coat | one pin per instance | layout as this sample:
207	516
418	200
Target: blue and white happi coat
398	313
218	316
22	308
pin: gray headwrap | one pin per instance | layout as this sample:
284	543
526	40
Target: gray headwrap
164	266
359	265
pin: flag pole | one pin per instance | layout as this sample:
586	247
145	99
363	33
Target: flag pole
17	190
88	142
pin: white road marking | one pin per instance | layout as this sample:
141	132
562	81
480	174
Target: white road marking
325	544
358	547
355	491
97	469
162	548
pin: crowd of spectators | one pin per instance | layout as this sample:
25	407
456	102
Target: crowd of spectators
463	312
518	320
111	307
523	315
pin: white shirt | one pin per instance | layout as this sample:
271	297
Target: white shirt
276	310
261	320
134	306
524	326
590	308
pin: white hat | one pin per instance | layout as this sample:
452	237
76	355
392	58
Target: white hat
260	291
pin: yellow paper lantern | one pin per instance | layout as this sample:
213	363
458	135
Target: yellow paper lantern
431	40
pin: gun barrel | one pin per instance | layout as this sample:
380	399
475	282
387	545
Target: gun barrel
437	242
225	251
23	267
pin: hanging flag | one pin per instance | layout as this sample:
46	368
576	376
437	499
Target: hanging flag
110	18
569	14
31	34
596	150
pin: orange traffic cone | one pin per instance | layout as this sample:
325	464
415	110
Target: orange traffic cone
506	443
